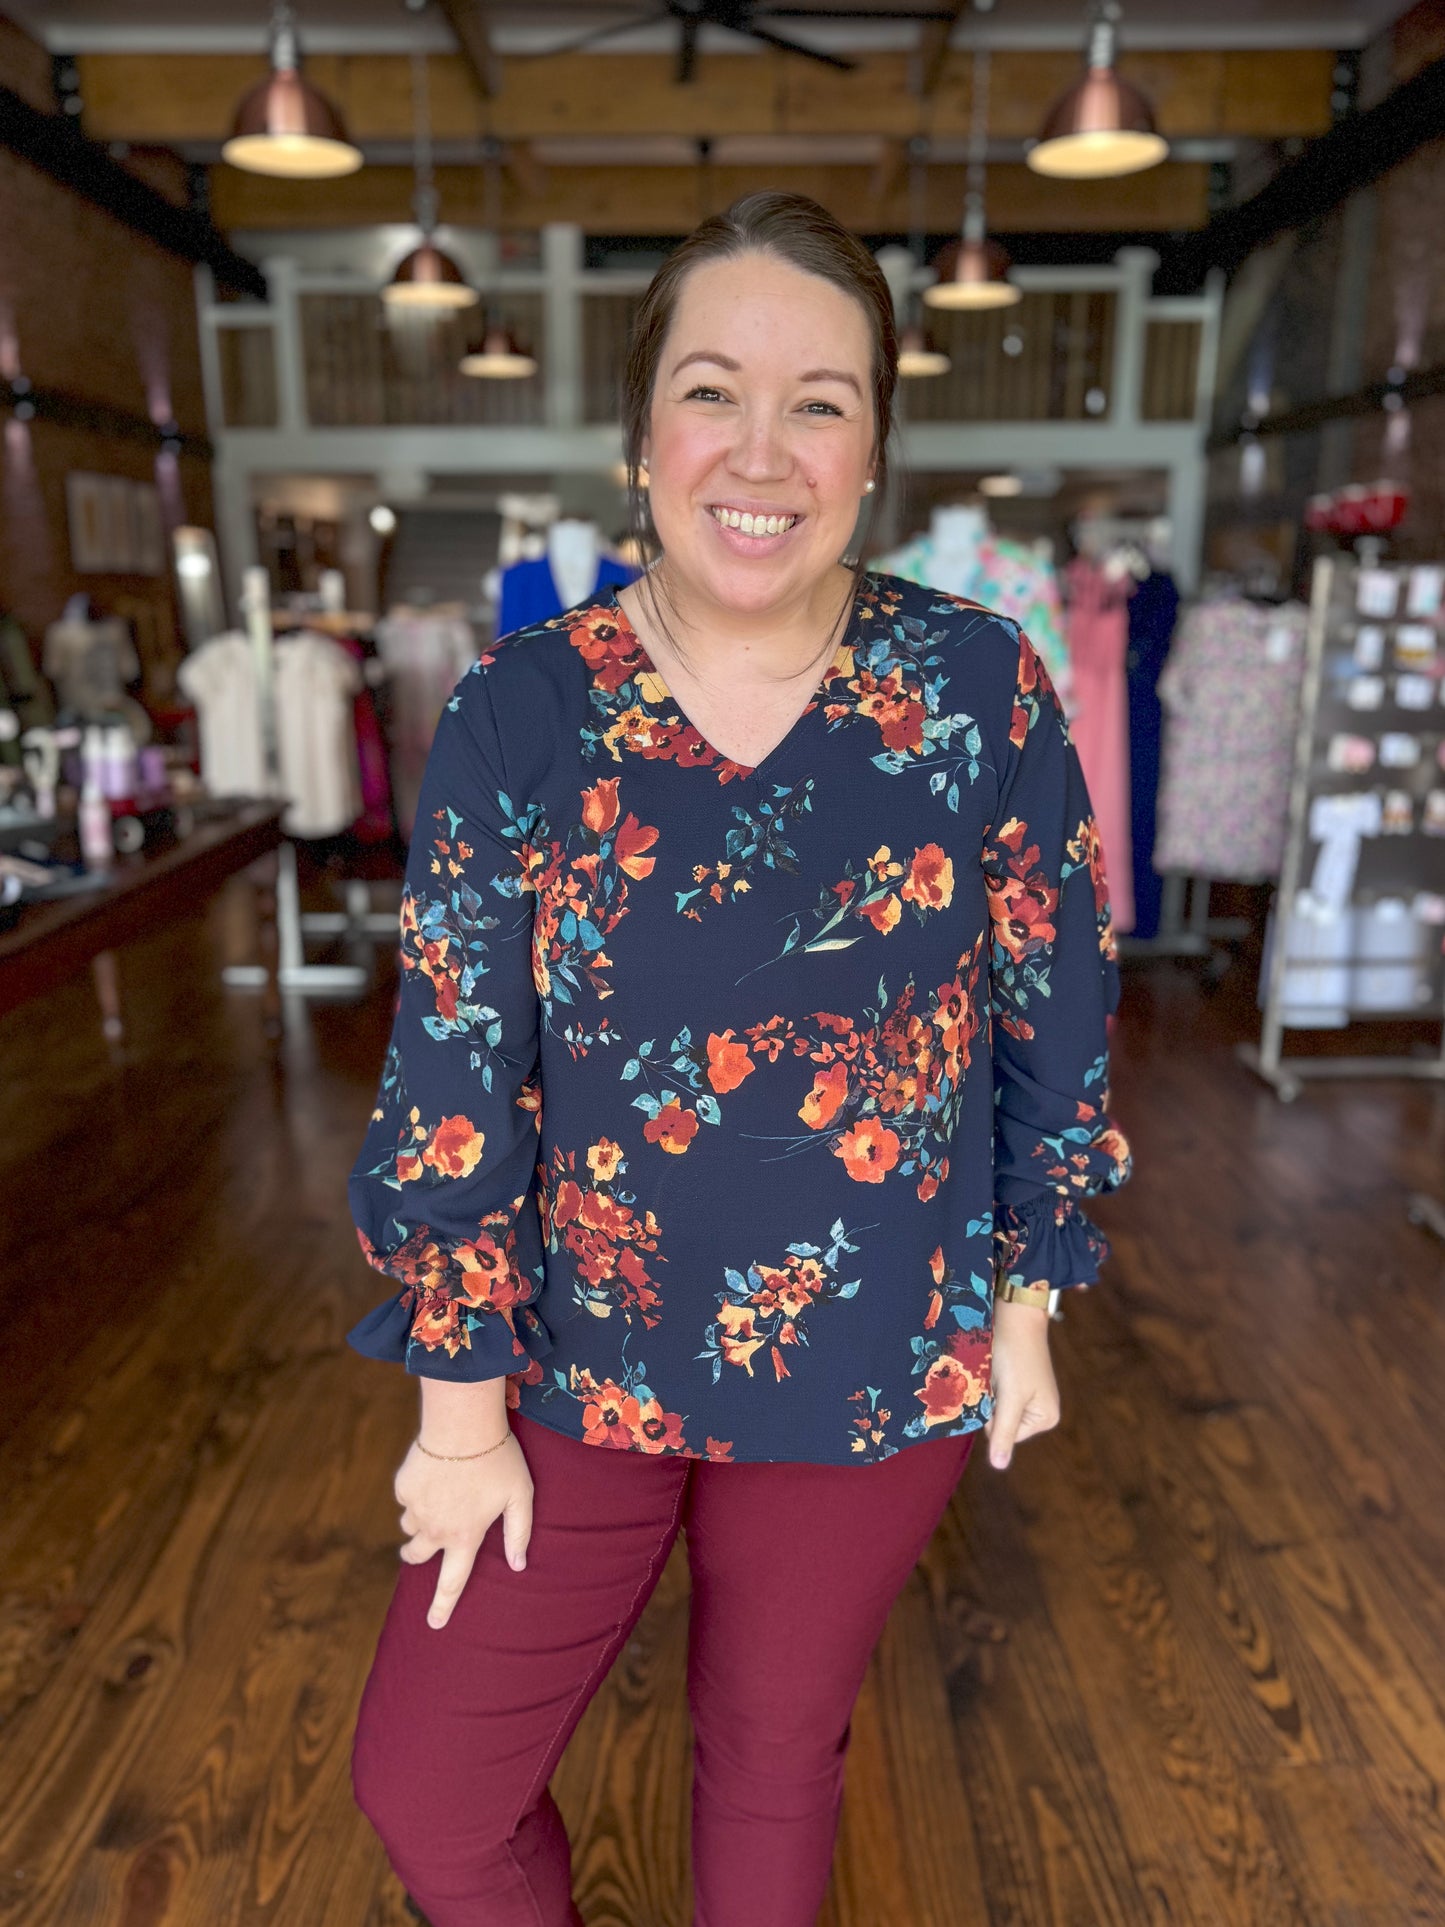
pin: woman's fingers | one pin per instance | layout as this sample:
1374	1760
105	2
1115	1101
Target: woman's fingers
419	1548
517	1529
456	1568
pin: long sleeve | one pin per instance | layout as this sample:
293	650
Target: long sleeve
441	1191
1054	984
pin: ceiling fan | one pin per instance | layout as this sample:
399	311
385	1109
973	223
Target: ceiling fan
744	17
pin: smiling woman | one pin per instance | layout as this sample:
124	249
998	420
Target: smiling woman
759	399
748	1072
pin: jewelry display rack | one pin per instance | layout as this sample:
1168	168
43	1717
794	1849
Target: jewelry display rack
1349	740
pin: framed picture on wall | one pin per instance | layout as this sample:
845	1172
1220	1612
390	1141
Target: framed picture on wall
148	541
89	524
120	534
115	525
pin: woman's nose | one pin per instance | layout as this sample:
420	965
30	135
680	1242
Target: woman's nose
760	451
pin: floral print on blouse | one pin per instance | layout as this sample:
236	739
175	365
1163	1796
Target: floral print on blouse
718	1097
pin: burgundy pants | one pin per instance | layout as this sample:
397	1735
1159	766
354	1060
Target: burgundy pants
794	1571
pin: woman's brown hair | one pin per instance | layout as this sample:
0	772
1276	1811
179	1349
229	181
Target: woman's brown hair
792	228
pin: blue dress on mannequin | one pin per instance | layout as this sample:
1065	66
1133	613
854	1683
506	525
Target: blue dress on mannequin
529	591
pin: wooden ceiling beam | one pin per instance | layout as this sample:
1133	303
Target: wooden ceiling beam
180	99
472	31
665	200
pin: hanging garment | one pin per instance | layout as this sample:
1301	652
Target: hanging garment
530	595
1231	695
1153	608
220	679
1098	630
1001	575
425	652
376	823
316	684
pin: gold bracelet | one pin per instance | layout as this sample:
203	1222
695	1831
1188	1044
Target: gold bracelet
457	1457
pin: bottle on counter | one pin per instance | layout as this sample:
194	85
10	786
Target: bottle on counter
97	841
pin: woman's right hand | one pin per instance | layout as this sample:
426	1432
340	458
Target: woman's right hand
450	1508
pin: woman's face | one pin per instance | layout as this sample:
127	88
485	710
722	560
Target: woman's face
762	408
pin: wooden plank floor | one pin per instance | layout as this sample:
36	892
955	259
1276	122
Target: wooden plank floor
1184	1663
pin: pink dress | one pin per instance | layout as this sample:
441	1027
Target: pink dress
1098	636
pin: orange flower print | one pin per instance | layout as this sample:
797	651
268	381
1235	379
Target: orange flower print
606	645
952	1385
739	1338
769	1304
674	1128
822	1103
599	805
658	1431
867	1433
632	839
883	914
454	1148
728	1062
610	1416
930	878
603	1158
622	1414
869	1151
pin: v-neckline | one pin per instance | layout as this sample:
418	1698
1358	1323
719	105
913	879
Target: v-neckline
646	666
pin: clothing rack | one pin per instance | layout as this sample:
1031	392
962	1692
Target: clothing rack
1186	928
358	921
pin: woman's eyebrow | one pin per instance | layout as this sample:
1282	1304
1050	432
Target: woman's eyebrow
707	354
811	374
833	374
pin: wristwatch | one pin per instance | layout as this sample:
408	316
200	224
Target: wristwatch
1044	1296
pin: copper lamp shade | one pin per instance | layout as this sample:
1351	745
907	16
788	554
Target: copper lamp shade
430	280
917	355
972	273
1103	126
285	127
499	358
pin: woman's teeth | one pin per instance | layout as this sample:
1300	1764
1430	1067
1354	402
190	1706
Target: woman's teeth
754	524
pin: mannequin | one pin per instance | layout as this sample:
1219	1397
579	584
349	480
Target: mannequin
574	567
957	532
573	549
961	555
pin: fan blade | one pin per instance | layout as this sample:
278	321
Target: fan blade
797	47
687	49
852	13
590	39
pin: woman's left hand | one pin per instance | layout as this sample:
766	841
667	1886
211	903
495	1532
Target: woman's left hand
1025	1391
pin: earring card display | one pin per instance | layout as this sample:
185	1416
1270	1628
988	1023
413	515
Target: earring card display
1358	925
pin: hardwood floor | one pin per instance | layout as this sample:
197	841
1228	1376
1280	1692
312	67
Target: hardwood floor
1184	1663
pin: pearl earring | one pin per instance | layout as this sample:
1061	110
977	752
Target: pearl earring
642	461
868	487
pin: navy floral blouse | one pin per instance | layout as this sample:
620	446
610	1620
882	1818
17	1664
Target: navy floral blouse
717	1098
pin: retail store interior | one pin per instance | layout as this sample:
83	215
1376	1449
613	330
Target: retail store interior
292	430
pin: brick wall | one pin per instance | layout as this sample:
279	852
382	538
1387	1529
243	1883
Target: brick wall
91	307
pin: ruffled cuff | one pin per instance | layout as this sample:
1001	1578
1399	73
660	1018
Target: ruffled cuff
1047	1242
465	1309
476	1344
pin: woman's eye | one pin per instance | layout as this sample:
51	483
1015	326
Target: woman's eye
703	394
826	407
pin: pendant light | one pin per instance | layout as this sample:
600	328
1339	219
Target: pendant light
973	272
426	280
499	357
284	127
917	356
1103	126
